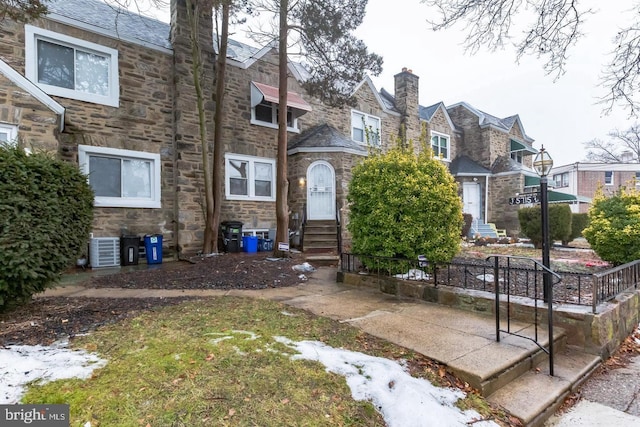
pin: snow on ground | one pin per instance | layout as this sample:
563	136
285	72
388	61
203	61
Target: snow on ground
22	364
403	401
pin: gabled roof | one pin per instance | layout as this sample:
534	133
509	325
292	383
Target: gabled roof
111	21
33	90
427	113
324	138
488	120
424	113
464	165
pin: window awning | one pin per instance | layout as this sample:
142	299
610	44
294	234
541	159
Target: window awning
558	197
519	146
531	181
260	92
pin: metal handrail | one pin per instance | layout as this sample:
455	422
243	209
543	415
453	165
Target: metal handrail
338	227
616	280
546	271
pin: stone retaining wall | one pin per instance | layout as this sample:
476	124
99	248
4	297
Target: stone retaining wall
598	334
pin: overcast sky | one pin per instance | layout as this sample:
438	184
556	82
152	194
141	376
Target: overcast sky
561	115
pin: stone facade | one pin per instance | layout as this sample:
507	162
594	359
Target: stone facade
157	114
38	126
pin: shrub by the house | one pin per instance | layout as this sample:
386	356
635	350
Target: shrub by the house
46	210
403	205
579	221
559	223
614	227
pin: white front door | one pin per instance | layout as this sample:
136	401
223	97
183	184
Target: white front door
471	199
321	191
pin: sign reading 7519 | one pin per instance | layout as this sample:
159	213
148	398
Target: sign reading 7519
524	199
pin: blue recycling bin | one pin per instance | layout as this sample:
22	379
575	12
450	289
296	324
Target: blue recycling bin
153	248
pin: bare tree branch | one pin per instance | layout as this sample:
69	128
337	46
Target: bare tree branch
623	147
22	10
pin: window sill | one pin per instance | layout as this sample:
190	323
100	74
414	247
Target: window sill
273	126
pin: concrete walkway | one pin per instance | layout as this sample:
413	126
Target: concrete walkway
462	340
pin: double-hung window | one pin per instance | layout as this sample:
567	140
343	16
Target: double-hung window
265	108
8	133
122	178
440	144
365	129
608	178
267	113
250	178
70	67
561	179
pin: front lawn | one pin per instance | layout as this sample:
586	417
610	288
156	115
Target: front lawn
222	361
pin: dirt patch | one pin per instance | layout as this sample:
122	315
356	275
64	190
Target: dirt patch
45	320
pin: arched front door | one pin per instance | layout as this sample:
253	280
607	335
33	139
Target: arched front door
321	191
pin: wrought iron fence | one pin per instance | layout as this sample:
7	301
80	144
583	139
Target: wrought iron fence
521	276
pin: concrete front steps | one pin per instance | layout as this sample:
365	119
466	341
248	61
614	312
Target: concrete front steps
520	382
321	237
320	244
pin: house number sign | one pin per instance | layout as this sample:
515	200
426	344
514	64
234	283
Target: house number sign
524	199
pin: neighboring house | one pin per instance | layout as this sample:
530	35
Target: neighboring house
112	91
493	163
580	181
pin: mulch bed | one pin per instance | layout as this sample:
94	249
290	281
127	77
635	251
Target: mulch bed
47	319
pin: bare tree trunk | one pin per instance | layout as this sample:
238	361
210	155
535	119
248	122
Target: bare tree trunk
193	14
218	147
282	185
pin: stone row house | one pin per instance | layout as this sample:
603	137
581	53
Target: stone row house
112	91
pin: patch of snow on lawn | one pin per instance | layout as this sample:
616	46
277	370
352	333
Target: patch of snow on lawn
22	364
413	274
403	401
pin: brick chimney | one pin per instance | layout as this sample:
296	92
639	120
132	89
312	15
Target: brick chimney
406	94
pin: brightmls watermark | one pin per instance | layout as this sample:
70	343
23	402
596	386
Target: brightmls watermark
34	415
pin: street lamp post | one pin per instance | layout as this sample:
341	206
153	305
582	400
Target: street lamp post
543	164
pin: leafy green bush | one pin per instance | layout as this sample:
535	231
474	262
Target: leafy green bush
559	223
579	221
614	227
404	205
46	210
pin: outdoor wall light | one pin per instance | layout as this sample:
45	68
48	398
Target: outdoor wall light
301	181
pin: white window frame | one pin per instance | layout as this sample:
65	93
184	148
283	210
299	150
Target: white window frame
11	131
605	178
362	119
251	189
273	124
447	138
86	151
561	179
33	34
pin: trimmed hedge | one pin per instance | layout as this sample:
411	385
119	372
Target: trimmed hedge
579	221
614	227
403	205
559	223
46	211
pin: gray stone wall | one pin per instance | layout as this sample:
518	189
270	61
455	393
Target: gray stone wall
187	180
38	126
142	122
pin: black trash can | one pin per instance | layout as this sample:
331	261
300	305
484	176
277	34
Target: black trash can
231	232
129	250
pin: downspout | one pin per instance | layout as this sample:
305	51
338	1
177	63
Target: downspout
486	198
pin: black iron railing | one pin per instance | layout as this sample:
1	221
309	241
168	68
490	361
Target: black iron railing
503	275
584	289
